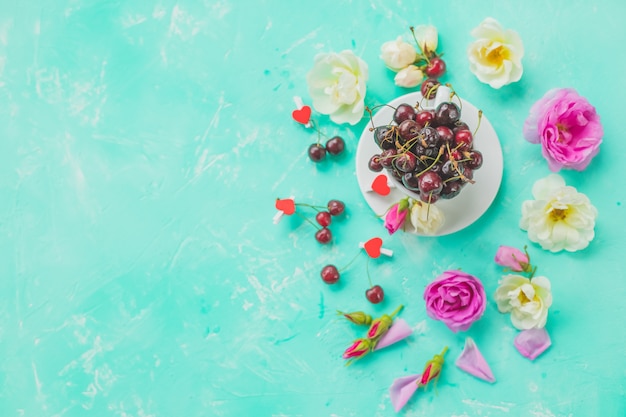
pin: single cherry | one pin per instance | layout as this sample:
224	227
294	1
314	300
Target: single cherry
445	134
330	274
335	145
447	113
387	156
375	294
408	129
323	218
429	88
374	163
335	207
429	198
405	162
429	138
436	68
451	189
316	152
384	137
430	182
404	112
425	116
464	138
323	235
476	160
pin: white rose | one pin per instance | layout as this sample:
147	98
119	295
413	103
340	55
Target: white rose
425	218
427	37
397	54
528	300
496	55
410	76
337	86
560	218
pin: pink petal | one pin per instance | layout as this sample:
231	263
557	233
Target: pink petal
399	330
402	390
473	362
532	342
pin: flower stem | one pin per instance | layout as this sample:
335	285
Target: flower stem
396	311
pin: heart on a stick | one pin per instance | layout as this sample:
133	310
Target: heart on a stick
372	247
380	186
286	205
302	115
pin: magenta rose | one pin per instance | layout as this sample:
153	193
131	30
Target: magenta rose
455	298
396	215
567	127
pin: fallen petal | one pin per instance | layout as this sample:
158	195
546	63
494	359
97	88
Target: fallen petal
399	330
532	342
473	362
402	389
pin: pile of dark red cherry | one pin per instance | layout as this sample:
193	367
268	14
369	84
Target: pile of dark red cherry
430	152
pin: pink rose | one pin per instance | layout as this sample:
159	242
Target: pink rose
513	258
568	128
395	217
456	298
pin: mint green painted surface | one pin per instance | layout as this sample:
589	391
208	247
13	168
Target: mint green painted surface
142	144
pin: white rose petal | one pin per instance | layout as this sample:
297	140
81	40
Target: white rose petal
425	218
427	37
496	55
560	218
397	54
337	85
528	300
409	77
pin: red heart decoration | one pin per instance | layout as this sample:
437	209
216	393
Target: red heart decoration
286	205
302	115
372	247
380	186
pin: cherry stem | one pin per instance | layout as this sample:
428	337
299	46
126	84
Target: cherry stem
418	45
433	164
367	269
351	262
316	208
480	117
396	311
308	220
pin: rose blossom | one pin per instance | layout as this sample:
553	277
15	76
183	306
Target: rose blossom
496	55
396	215
397	54
425	219
567	127
527	299
426	36
409	77
560	217
512	258
456	298
337	86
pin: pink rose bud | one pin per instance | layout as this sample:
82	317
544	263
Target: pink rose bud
513	258
358	349
396	215
432	369
358	317
381	325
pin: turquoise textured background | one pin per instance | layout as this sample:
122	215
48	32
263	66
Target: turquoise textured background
142	145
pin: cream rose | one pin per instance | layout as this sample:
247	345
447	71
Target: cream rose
496	55
528	300
397	54
337	86
409	77
425	219
427	37
560	218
